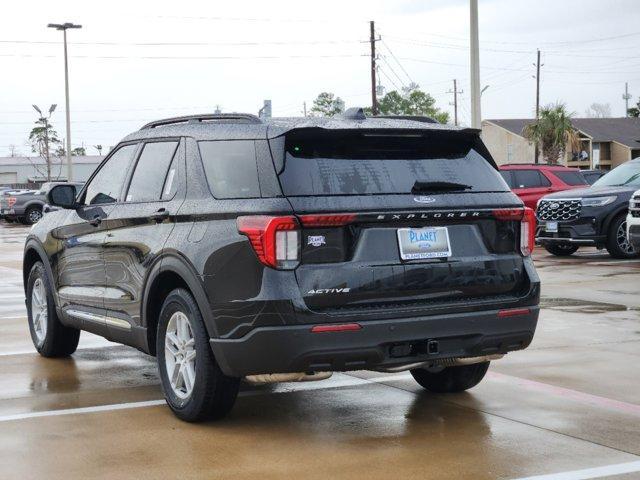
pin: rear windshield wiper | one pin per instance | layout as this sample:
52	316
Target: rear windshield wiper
425	187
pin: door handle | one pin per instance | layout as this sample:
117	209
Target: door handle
96	220
160	215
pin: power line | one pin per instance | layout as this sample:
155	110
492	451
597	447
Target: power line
381	70
397	61
184	44
158	57
384	59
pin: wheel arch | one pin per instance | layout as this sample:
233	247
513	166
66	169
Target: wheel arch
35	252
620	210
171	272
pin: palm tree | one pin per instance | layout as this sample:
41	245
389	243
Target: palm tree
553	131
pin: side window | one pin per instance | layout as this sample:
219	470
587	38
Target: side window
506	174
151	171
107	183
527	179
230	167
544	180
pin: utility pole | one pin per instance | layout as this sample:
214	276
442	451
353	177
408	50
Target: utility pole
537	150
476	115
372	40
455	100
626	97
304	108
64	27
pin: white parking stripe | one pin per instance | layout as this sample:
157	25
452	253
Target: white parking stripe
587	473
286	388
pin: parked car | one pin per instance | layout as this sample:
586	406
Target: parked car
26	206
7	199
594	216
285	250
591	176
633	221
533	181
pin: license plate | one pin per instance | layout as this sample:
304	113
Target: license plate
551	227
423	243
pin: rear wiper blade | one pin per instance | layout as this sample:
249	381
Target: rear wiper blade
423	187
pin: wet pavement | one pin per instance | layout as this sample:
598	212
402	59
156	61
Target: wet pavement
567	407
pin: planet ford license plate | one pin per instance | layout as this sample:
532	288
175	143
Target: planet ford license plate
423	243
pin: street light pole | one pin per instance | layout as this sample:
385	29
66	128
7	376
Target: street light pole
476	115
64	27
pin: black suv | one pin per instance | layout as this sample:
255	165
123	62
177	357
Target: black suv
594	216
282	250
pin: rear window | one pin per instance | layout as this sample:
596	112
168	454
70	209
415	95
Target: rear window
571	178
230	167
339	163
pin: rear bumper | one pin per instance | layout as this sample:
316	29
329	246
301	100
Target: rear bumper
286	349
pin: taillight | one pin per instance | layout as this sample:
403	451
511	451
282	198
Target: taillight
276	240
528	232
333	220
527	218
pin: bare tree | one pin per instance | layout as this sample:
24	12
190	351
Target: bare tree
598	110
98	148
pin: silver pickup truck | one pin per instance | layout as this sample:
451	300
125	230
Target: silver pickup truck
26	206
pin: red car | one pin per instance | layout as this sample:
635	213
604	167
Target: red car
531	182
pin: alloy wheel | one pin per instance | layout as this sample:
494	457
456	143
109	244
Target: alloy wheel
39	312
180	355
35	216
623	241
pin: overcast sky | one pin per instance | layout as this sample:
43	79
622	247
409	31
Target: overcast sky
137	61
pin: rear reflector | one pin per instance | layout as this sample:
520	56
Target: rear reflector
513	312
334	220
341	327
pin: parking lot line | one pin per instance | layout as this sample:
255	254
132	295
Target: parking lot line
586	398
589	473
294	387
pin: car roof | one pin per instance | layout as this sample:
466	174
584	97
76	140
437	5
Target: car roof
249	127
537	166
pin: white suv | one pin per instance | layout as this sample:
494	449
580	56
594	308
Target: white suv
633	221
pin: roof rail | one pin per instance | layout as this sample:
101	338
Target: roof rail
531	164
207	117
415	118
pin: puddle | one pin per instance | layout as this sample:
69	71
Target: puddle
582	306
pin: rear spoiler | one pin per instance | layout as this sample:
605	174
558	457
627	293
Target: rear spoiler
277	144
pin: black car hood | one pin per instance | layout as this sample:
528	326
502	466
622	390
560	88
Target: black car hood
593	192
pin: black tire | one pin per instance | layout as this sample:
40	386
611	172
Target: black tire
59	340
618	244
561	249
32	215
451	379
213	393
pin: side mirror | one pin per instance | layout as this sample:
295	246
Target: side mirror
62	196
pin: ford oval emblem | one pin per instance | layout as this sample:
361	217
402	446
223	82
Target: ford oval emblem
423	199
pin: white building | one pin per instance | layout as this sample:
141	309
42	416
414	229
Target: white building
23	170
